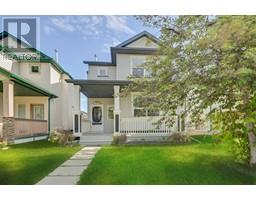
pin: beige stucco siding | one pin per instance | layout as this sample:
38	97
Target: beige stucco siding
93	72
8	64
124	65
42	78
126	106
143	42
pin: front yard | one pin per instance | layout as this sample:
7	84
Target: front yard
197	163
28	163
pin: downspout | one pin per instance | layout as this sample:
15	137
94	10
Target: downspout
49	114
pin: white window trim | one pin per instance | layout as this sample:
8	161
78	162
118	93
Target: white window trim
102	110
134	94
108	110
18	116
102	68
35	64
131	64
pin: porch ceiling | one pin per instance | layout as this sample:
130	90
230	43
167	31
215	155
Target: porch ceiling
20	90
24	87
98	88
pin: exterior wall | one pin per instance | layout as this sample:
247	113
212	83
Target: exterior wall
126	106
43	78
107	123
123	65
143	42
93	73
28	100
8	64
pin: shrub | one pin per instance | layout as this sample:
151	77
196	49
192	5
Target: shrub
3	144
119	139
61	137
179	138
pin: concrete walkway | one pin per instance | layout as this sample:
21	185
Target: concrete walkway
69	172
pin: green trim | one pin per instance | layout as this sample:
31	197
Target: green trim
43	57
26	83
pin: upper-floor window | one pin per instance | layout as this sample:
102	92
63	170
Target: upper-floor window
35	68
103	72
137	68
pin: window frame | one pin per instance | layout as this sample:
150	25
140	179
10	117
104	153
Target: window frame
35	65
109	106
102	68
18	113
133	67
134	95
32	114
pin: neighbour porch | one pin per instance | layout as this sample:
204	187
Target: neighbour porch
24	108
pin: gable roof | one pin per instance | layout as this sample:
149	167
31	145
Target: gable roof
43	57
122	49
137	37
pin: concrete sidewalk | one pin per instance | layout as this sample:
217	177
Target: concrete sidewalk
69	172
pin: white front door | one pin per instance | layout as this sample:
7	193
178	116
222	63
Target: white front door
97	118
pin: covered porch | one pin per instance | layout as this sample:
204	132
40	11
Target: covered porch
111	113
24	108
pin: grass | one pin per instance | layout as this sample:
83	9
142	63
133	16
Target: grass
206	162
28	163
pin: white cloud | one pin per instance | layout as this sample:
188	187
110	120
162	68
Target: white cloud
119	24
63	23
113	42
49	30
91	27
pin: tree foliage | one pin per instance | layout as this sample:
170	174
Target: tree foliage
206	61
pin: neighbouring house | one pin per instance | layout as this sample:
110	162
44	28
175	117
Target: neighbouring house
34	95
108	111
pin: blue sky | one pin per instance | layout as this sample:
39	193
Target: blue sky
78	38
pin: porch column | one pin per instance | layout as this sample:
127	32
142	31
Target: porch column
8	111
116	109
8	98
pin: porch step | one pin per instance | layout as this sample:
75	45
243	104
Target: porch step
96	139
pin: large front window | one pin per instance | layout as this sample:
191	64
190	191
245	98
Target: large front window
37	111
22	111
141	107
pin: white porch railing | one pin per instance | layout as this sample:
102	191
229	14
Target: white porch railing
145	125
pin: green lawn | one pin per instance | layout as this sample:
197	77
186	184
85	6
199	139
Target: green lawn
28	163
205	163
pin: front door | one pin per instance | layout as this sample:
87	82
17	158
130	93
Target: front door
97	118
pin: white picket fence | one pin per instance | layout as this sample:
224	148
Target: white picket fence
145	126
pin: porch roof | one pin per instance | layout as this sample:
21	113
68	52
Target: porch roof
26	85
98	88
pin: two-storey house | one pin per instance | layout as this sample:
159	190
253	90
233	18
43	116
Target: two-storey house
34	95
108	111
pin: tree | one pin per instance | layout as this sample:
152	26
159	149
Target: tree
206	61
